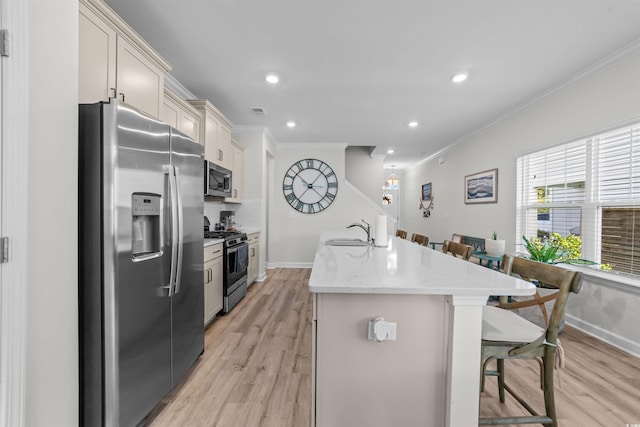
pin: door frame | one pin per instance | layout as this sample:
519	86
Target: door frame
13	214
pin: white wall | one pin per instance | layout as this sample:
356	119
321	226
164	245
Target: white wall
52	286
603	100
365	172
254	209
295	235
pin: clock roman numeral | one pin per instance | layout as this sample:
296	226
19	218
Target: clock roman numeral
290	197
309	163
333	185
287	187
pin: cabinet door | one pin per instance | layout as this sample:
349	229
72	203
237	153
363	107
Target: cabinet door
138	79
190	125
252	271
216	272
170	112
211	139
252	268
208	292
237	157
180	118
224	144
212	288
96	57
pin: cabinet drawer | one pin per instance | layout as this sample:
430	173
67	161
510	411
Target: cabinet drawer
212	252
253	237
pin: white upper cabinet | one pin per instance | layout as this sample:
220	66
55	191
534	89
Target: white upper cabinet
180	114
114	61
237	180
215	133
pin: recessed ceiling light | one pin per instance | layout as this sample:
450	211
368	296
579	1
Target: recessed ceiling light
272	78
390	151
459	78
291	124
413	124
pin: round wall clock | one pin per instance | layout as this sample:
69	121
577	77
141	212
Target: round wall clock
310	186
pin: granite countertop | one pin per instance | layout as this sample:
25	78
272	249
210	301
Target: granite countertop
403	267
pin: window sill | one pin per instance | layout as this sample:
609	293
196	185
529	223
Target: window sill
608	279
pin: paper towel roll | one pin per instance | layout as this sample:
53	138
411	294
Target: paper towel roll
380	231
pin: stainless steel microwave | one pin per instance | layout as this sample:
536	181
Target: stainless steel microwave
217	180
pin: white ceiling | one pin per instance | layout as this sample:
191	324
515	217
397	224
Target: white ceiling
357	71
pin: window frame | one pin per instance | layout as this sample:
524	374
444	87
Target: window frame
592	206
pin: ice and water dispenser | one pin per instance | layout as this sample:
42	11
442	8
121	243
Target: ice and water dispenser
145	236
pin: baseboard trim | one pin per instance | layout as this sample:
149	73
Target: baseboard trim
609	337
273	265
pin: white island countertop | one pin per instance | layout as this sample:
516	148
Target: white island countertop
433	300
403	267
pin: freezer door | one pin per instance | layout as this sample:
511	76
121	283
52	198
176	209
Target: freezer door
137	307
187	302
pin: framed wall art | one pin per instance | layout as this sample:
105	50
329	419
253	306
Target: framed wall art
481	187
426	192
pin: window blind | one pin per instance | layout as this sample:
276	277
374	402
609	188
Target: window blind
618	165
589	188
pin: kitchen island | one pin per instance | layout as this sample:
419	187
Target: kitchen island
429	375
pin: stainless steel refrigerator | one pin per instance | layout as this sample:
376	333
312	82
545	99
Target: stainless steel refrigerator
140	261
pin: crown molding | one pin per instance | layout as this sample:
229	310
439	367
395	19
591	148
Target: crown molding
177	87
616	57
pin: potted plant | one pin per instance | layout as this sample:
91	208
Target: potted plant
493	246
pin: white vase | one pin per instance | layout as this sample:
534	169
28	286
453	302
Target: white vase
494	248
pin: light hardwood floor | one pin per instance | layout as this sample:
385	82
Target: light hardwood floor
256	370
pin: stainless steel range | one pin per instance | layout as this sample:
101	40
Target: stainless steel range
235	257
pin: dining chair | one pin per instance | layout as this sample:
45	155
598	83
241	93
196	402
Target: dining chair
420	239
401	233
544	295
506	335
454	238
458	250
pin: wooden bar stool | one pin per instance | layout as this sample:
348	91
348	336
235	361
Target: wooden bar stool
420	239
401	234
505	335
458	250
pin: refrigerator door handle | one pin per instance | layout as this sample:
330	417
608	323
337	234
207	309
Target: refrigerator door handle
173	217
180	243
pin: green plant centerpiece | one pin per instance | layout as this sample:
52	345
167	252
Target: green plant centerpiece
556	249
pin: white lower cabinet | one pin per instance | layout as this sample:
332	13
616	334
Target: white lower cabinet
213	270
254	246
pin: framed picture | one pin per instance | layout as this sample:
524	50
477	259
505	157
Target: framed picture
481	187
426	192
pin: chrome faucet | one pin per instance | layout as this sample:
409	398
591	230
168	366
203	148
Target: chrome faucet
367	229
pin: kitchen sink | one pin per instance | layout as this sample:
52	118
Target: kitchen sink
346	242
